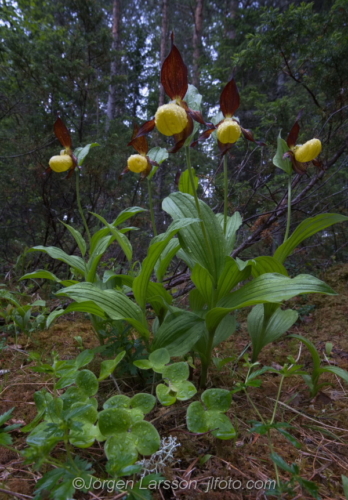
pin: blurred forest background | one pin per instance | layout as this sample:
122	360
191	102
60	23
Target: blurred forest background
96	64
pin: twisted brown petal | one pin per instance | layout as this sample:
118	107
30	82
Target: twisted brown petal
139	143
299	168
143	130
249	135
174	75
293	134
181	138
206	134
229	99
62	133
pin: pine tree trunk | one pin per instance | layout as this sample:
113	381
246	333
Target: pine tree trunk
197	41
111	106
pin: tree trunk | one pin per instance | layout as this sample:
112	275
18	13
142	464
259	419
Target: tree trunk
197	41
111	106
233	7
164	38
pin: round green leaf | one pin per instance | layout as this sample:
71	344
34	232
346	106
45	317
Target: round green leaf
119	401
185	390
222	425
85	437
159	358
164	396
114	420
87	382
145	402
121	450
217	399
147	438
195	418
71	396
88	415
176	372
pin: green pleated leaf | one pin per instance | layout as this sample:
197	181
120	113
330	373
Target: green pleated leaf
58	254
233	224
202	279
185	185
231	276
158	244
306	229
266	288
278	160
127	214
336	370
166	257
206	247
77	237
266	264
179	333
121	239
264	330
41	274
113	302
84	307
226	328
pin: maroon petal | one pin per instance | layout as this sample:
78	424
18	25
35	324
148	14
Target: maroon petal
197	116
293	134
317	163
181	138
143	130
249	135
139	143
229	99
62	133
206	134
174	74
298	167
224	147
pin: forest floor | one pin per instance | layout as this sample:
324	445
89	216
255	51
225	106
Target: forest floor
211	468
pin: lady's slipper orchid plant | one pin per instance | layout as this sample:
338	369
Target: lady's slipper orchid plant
66	160
176	118
300	155
228	130
139	163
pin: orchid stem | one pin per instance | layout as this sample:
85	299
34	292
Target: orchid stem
153	222
289	211
225	192
78	198
192	180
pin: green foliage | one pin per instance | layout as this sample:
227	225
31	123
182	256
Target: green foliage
72	418
312	380
210	414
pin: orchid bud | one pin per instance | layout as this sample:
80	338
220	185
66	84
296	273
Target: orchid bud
228	131
308	151
61	163
170	119
137	163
